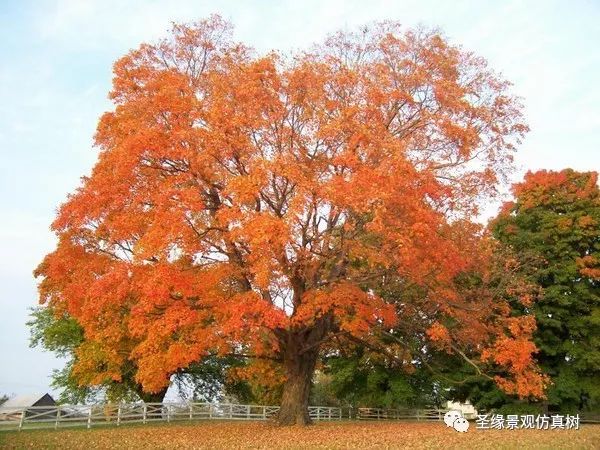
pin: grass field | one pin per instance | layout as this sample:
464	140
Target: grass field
340	435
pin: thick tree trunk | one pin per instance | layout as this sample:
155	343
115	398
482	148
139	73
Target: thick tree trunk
300	353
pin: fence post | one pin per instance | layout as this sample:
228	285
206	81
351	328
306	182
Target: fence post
128	411
418	415
57	417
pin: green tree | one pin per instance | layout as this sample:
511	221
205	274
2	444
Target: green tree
556	216
60	334
366	380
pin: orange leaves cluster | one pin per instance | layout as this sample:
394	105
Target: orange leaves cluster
439	334
550	188
475	322
514	352
356	311
589	266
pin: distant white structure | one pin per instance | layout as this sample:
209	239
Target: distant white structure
14	406
468	410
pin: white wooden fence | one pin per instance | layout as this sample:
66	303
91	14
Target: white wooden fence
29	417
117	414
120	413
400	414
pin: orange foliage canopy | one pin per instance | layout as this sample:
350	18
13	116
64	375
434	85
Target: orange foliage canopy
241	201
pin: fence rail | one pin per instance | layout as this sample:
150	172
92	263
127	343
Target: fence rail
115	414
400	414
28	417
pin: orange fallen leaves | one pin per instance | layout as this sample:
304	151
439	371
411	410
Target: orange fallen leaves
255	435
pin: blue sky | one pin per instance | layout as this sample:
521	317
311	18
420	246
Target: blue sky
56	73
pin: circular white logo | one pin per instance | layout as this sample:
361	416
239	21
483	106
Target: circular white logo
456	420
461	425
450	417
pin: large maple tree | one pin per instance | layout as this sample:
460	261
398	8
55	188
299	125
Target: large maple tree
243	204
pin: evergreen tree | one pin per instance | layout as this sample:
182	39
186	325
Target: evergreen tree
556	215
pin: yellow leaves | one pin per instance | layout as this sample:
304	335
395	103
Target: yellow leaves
586	221
96	363
265	378
564	224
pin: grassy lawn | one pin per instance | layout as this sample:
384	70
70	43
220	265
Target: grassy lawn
332	435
